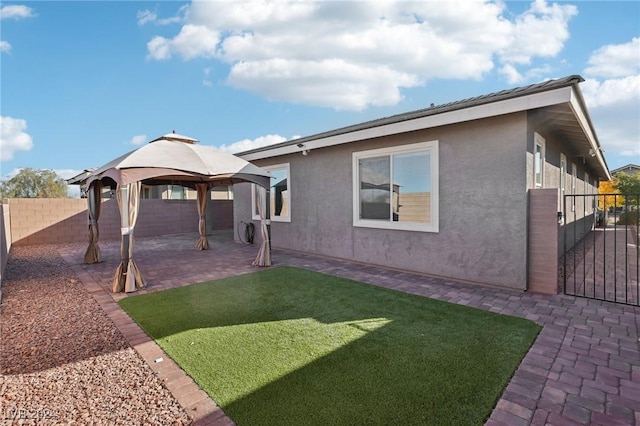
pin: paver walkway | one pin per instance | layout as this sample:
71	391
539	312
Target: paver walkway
584	367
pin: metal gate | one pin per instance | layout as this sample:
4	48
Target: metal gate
599	243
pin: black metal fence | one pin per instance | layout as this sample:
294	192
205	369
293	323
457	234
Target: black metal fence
599	247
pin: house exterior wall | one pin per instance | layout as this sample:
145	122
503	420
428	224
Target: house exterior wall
578	214
482	205
62	220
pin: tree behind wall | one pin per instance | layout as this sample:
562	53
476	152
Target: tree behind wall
609	200
629	185
32	183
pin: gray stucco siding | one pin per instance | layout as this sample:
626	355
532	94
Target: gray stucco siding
555	147
482	205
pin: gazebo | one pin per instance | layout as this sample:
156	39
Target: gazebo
169	159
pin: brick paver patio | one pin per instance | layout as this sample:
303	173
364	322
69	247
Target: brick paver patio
584	367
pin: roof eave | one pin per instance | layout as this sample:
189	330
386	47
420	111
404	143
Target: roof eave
578	106
454	116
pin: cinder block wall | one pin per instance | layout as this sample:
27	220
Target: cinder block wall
47	220
62	220
542	268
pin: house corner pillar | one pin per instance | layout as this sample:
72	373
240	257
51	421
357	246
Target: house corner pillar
542	250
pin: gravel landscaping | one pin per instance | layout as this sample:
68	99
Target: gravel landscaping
62	360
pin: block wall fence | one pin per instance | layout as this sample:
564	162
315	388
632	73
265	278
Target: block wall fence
64	220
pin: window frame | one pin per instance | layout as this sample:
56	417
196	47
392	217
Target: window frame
254	214
563	180
432	148
574	185
538	141
587	191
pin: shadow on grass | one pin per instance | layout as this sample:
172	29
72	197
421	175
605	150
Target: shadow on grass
388	357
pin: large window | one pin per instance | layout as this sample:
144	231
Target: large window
279	194
397	188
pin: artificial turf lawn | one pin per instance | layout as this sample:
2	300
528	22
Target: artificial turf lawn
290	346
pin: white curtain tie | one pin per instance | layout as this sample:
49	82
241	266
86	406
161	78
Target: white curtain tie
126	230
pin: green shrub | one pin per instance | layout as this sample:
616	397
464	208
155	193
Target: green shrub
629	218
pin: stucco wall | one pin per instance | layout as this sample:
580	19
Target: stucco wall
59	220
483	205
555	147
543	241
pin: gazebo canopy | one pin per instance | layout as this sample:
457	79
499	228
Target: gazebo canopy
169	159
177	159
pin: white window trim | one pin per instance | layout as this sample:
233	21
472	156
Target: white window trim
574	179
253	194
563	180
587	191
538	141
432	147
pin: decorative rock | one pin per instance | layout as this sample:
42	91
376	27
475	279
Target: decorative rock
62	360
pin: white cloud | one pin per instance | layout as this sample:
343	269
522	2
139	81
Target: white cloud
247	144
192	41
511	74
72	190
13	12
354	86
67	173
16	12
611	92
614	106
615	60
146	16
159	48
138	140
13	137
540	32
351	55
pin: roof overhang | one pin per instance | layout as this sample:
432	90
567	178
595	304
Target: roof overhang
563	107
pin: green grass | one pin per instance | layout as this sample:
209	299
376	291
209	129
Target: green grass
286	346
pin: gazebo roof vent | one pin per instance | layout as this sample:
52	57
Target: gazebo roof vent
175	137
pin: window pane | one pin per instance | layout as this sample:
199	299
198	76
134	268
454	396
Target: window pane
538	165
279	194
412	187
375	184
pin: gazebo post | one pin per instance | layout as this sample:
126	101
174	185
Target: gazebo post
268	216
202	190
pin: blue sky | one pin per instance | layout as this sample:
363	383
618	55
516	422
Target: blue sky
83	82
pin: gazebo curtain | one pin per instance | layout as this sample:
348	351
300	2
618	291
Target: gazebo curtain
203	242
128	277
264	254
94	201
